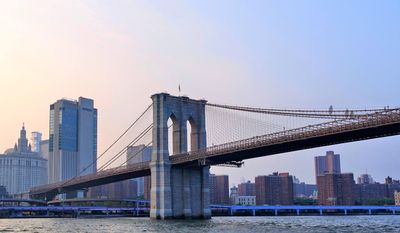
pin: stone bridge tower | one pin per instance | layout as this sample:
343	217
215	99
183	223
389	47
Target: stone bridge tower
178	192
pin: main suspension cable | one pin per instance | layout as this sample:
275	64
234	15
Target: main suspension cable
325	114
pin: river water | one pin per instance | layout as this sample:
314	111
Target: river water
302	224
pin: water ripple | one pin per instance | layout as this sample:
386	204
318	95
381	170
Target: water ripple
289	224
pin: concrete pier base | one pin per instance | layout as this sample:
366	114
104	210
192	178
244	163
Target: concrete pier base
178	192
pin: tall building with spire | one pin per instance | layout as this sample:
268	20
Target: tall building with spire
21	168
23	141
72	140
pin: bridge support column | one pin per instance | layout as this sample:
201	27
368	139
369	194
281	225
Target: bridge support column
178	192
160	190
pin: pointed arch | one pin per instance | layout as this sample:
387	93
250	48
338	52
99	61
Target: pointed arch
173	134
192	134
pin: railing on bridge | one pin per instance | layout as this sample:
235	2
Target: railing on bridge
86	178
318	130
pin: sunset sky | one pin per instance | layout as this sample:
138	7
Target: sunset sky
288	54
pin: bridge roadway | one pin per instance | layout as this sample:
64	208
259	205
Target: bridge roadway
375	125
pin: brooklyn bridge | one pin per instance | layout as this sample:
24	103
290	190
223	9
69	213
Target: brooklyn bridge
187	136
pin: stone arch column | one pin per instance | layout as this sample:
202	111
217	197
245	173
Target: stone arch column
178	192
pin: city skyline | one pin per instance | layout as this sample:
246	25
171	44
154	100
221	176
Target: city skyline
122	65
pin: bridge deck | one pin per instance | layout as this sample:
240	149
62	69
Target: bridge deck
376	125
334	132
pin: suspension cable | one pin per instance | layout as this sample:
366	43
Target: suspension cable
330	114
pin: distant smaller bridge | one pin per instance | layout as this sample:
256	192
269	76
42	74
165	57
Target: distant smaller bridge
21	202
301	209
100	202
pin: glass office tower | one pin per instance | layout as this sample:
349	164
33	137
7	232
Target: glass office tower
72	140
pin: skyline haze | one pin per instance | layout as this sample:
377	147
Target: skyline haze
270	54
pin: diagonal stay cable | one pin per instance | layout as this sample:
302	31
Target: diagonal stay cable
147	145
123	134
121	152
115	142
126	162
142	134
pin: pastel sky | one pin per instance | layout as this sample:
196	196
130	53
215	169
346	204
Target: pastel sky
289	54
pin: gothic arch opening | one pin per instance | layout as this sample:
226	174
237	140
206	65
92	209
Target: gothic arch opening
173	133
192	139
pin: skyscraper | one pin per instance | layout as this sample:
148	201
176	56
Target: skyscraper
246	189
36	138
72	139
219	189
336	189
364	193
320	165
275	189
333	162
327	164
44	149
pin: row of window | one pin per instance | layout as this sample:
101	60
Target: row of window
68	127
19	162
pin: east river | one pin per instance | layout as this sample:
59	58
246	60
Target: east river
302	224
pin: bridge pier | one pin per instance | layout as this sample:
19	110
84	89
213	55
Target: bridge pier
178	192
